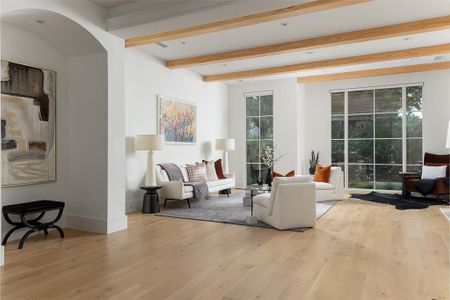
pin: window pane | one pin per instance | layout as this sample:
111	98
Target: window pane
415	169
360	176
360	151
337	151
360	126
252	128
388	126
414	151
266	105
266	127
388	100
252	106
252	173
337	103
337	127
414	111
265	144
388	177
388	151
253	152
360	102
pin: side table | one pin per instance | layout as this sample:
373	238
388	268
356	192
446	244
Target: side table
150	203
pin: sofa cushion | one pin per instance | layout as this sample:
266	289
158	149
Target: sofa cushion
288	174
210	170
188	189
324	186
197	173
322	173
219	171
216	183
263	200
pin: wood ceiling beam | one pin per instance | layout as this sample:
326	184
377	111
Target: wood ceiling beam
376	72
286	12
415	27
339	62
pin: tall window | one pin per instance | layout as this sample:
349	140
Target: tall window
259	128
377	133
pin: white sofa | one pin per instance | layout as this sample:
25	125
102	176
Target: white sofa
334	189
291	203
177	190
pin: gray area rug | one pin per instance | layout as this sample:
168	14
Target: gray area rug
225	210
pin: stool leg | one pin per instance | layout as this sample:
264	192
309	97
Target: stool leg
45	231
61	232
22	240
5	239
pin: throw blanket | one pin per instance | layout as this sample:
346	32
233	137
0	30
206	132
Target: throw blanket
173	171
174	174
200	189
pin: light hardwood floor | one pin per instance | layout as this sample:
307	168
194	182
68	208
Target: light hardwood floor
359	250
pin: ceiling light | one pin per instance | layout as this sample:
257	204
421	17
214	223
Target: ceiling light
225	65
40	21
284	24
162	45
240	80
406	38
183	42
309	52
439	57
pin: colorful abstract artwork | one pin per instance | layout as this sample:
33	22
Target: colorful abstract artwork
177	120
28	119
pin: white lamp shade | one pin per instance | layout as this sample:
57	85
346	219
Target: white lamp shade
149	142
225	144
448	136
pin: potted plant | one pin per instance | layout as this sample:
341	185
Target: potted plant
270	157
313	161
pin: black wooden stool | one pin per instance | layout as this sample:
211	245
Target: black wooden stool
28	208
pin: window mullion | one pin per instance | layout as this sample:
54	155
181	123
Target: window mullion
404	158
346	139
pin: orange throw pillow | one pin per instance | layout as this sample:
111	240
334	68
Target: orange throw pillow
288	174
322	173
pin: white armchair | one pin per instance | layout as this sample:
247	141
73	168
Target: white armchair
291	204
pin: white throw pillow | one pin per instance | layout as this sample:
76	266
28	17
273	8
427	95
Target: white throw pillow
210	170
433	172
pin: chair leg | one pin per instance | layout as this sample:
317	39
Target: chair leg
189	204
228	193
165	201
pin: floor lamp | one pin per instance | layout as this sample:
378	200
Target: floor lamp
150	143
448	136
225	145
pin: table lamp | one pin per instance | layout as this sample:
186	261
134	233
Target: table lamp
150	143
225	145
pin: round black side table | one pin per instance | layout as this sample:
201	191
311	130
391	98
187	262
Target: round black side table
150	204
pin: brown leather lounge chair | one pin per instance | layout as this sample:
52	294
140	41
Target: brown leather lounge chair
440	187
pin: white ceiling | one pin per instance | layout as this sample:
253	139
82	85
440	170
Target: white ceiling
361	16
55	29
112	3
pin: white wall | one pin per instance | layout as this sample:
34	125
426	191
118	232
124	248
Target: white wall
316	99
285	123
90	16
86	141
146	77
20	46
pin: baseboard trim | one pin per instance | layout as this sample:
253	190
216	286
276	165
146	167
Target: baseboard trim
117	224
2	256
86	223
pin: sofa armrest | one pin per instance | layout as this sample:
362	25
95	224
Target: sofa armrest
172	190
230	175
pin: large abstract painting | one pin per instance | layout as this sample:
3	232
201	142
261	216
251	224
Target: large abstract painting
177	120
28	111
